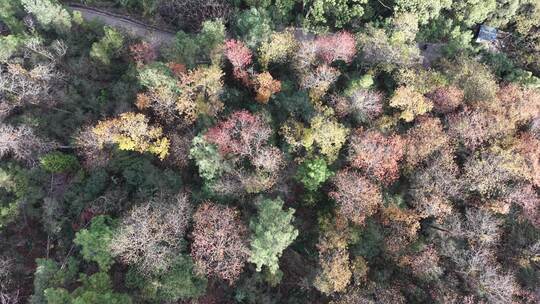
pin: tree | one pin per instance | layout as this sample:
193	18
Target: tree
387	48
21	86
401	226
473	11
526	197
279	48
365	105
424	265
325	14
411	103
95	241
8	293
357	198
49	274
272	233
474	78
220	246
150	237
325	136
200	91
179	282
132	132
334	273
58	162
490	173
334	47
49	13
22	143
266	86
446	99
97	288
518	104
425	10
193	48
319	81
426	137
528	147
433	185
249	162
238	54
209	161
474	127
142	53
377	154
254	26
312	173
240	57
242	133
18	188
108	47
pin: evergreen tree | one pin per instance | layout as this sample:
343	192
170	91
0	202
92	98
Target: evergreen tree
272	233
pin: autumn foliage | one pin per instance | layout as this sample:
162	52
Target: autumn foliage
337	46
376	154
220	244
357	197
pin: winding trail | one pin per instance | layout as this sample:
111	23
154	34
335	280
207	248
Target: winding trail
152	34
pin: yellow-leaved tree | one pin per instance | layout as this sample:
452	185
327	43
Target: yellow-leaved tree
132	132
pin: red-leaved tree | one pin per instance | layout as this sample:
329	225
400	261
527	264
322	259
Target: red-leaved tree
337	46
446	99
242	134
240	57
142	53
376	154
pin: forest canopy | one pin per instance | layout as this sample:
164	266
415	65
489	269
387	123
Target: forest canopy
269	151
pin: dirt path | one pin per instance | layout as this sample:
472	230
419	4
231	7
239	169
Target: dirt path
152	34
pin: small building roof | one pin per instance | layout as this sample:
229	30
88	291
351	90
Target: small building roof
486	34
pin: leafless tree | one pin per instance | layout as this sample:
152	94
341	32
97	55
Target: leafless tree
87	146
220	245
7	294
22	143
150	236
20	85
357	198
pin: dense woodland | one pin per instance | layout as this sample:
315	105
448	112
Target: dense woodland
274	151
